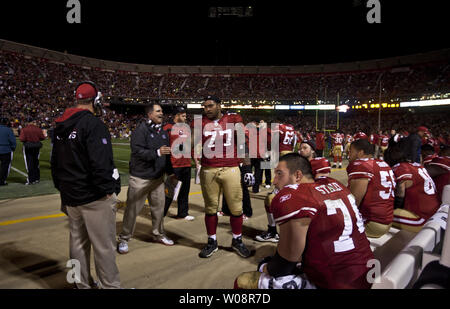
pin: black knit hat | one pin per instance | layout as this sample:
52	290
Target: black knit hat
310	143
213	98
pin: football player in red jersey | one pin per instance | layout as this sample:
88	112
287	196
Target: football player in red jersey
383	141
439	169
338	141
220	172
288	139
320	167
181	164
348	140
359	135
320	227
416	199
372	183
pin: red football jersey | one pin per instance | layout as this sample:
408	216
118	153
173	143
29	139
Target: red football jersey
442	180
360	135
288	138
384	140
349	138
219	142
320	165
337	249
421	197
180	136
429	158
338	139
378	203
320	141
255	144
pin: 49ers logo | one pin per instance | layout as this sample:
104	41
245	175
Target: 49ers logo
284	198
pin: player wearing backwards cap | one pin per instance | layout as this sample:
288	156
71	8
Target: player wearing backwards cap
338	141
181	164
83	171
320	168
220	172
415	194
372	182
320	229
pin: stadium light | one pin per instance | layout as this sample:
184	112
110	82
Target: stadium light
425	103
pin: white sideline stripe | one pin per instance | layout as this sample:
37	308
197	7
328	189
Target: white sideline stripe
125	144
121	161
18	171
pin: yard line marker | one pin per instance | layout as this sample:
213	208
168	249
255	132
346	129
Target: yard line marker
19	171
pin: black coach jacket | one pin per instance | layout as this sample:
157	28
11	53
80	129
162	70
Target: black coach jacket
82	159
145	162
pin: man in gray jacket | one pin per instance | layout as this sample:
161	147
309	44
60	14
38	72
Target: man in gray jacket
150	160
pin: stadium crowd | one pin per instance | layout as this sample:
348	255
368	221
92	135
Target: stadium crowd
41	89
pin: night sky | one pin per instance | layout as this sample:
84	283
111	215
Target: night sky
181	33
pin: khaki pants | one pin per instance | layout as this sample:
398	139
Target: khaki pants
214	180
95	223
138	191
375	229
406	220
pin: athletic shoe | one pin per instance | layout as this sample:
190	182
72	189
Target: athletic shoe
164	240
244	217
334	166
268	236
187	218
267	186
220	214
340	166
122	247
4	184
209	249
255	190
239	247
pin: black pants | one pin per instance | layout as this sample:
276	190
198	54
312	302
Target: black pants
183	174
256	163
246	203
31	156
5	160
319	153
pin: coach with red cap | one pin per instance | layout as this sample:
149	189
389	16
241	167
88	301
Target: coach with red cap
415	144
83	171
31	137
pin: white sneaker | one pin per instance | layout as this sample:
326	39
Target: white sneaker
220	213
189	218
164	240
267	186
122	247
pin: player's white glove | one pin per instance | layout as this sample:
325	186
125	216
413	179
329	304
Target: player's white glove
249	179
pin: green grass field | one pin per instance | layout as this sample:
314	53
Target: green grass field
16	181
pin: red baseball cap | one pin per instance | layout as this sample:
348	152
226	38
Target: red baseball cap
424	129
85	91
